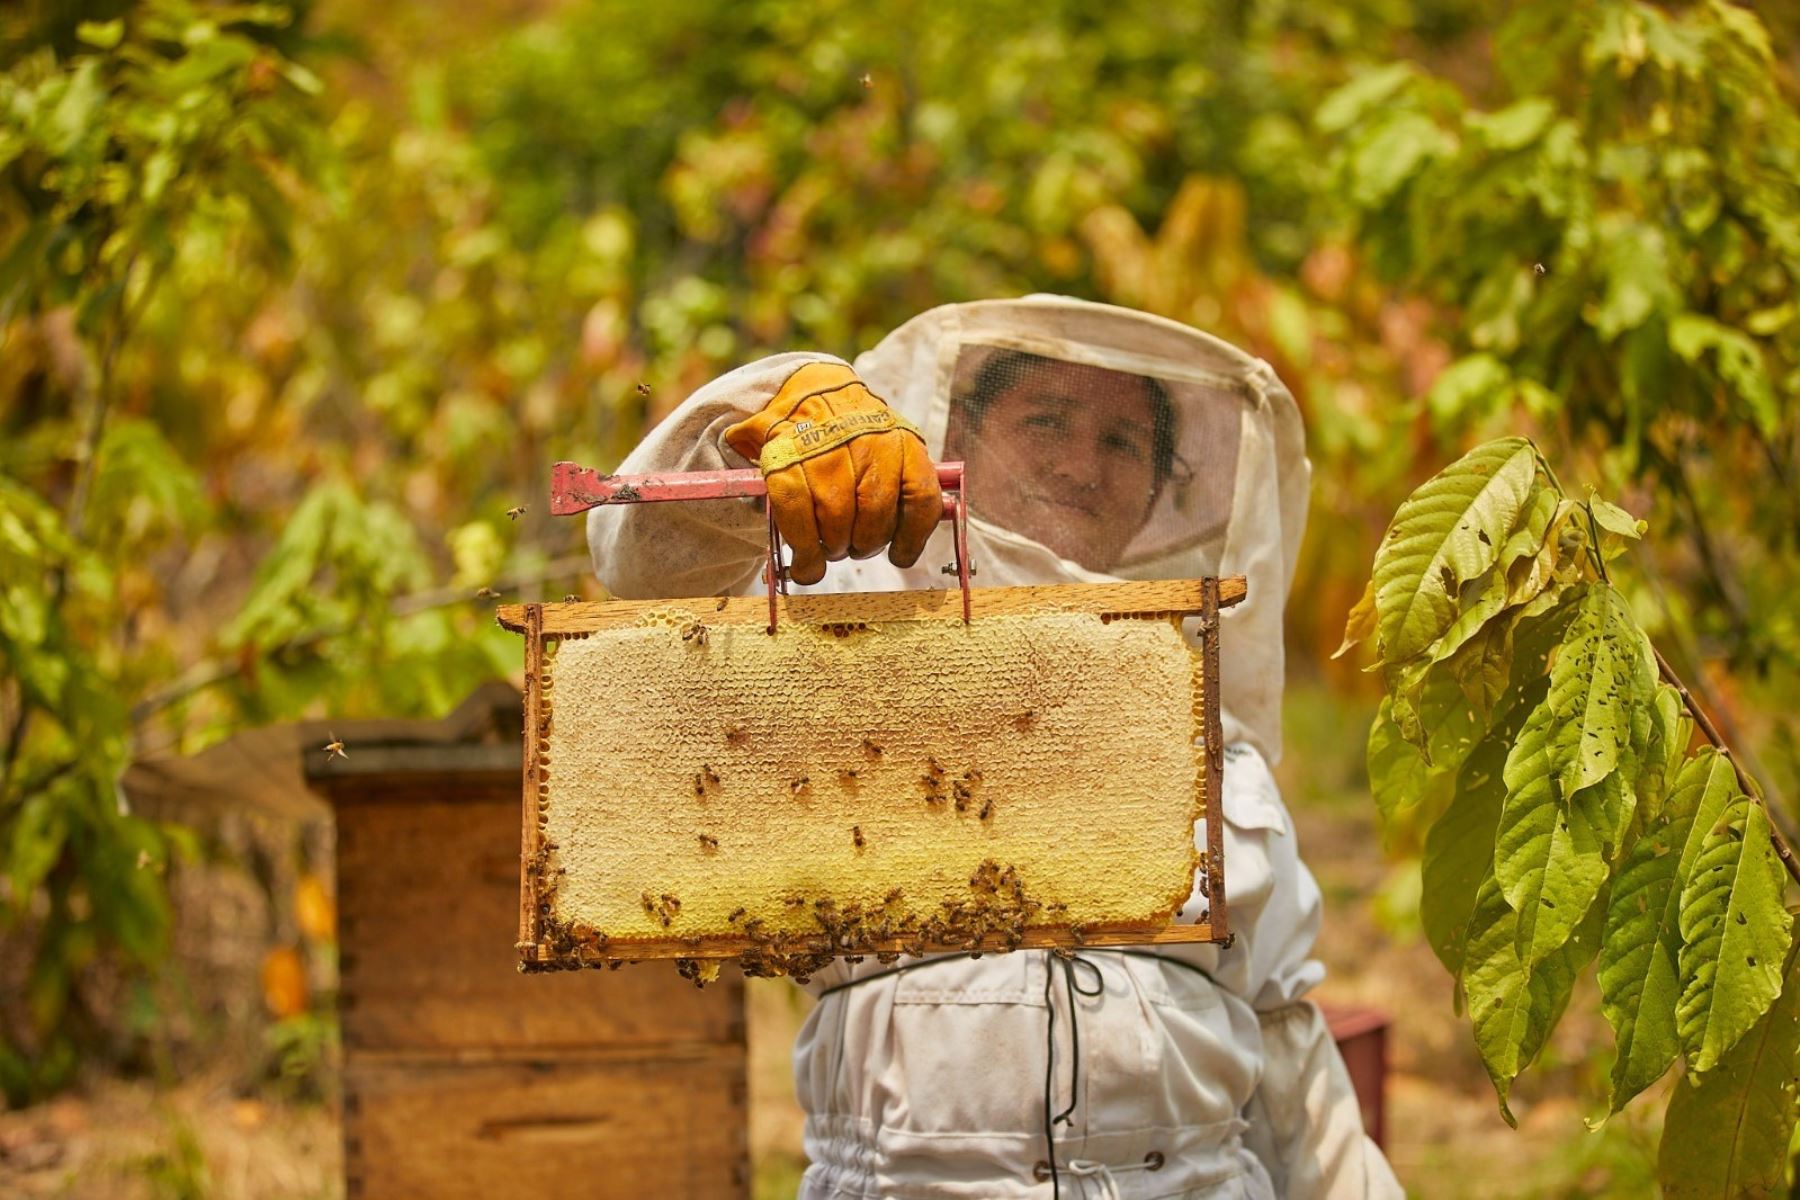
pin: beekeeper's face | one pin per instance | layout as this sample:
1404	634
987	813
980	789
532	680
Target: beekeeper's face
1066	455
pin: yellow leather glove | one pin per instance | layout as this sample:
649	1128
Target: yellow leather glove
846	475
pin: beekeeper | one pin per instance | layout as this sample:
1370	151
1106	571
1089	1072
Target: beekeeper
1100	444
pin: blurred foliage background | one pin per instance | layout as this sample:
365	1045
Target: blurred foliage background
297	300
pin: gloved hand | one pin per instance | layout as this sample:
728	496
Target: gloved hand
846	475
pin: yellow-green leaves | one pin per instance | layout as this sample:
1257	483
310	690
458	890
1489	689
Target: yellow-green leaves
1525	719
1727	1135
1734	932
1446	534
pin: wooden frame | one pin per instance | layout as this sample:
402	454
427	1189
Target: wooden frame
1171	599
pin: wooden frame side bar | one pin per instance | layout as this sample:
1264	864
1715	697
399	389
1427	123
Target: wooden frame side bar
851	608
530	837
1215	761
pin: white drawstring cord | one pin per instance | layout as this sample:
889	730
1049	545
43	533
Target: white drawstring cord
1087	1168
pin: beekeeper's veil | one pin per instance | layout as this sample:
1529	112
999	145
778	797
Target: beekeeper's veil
1133	447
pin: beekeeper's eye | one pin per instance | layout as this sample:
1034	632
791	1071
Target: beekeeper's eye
1127	445
1049	420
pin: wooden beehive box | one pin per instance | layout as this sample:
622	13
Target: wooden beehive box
463	1077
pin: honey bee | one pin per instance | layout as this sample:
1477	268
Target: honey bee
893	896
335	748
963	795
570	598
737	735
868	81
856	835
709	775
846	775
987	809
871	747
794	901
708	842
799	785
694	632
486	593
1025	720
737	914
517	511
643	389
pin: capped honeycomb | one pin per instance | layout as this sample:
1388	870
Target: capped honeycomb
705	789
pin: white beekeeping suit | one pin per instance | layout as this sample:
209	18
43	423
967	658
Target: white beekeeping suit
1193	1071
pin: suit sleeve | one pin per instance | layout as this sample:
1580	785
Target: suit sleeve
699	548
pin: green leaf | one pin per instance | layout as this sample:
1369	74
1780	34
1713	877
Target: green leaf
1514	126
1466	388
1359	626
1728	1135
1635	257
1639	978
102	35
1392	153
1482	599
1592	691
1514	1006
1447	532
1739	363
1735	934
1397	768
1548	859
1459	847
1614	519
1346	106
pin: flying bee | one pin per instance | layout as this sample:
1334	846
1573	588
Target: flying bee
486	593
517	511
868	81
643	389
856	835
571	597
335	748
708	842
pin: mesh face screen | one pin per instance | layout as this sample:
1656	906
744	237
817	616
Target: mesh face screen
1104	467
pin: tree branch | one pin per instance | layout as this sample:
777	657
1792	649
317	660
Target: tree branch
1745	784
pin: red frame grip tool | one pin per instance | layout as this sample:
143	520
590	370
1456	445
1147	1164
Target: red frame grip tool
575	489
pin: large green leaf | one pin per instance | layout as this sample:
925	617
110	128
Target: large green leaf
1735	932
1447	533
1459	847
1484	598
1514	1006
1727	1135
1639	979
1593	690
1548	859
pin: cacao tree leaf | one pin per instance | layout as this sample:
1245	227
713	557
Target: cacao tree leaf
1514	1006
1459	847
1592	691
1727	1134
1448	532
1359	627
1735	933
1548	860
1639	978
